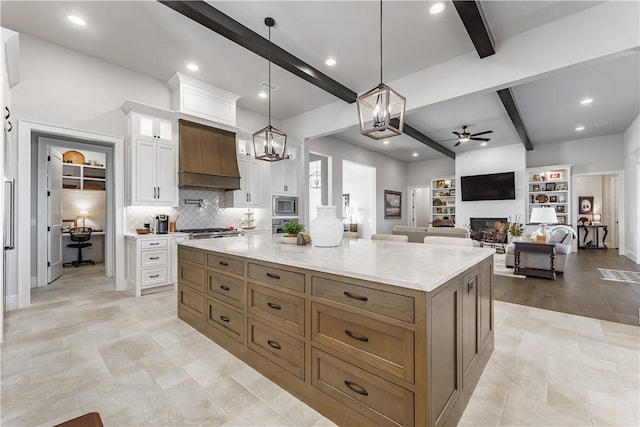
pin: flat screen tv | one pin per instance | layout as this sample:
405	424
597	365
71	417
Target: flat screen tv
494	186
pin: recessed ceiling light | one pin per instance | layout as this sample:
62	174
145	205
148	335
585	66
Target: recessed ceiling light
415	154
436	8
330	62
385	142
586	101
193	67
579	128
483	144
262	94
77	20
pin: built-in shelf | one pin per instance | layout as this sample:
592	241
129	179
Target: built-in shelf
550	186
443	198
83	177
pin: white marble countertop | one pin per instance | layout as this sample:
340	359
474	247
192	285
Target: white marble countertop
410	265
154	235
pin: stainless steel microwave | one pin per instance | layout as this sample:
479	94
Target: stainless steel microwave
285	206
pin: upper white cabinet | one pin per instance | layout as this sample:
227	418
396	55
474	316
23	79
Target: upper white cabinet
250	194
152	156
196	98
284	178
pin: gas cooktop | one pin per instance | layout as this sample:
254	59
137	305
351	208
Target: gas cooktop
205	230
205	233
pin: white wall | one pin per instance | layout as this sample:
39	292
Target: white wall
358	182
420	174
506	158
390	175
587	155
631	189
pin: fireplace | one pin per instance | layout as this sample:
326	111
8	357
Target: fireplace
478	225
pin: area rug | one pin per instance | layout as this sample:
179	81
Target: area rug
620	275
500	268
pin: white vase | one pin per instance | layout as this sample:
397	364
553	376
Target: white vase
326	229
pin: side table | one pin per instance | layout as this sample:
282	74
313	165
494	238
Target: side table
548	249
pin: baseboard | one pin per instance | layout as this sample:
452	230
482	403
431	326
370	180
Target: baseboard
633	257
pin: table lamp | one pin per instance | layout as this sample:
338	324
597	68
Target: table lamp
84	214
543	216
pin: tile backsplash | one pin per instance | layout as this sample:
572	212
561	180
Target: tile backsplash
212	213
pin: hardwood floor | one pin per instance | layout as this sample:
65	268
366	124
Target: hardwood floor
580	290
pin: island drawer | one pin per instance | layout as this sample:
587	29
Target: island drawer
385	303
380	401
191	302
227	289
230	265
282	309
192	276
384	346
277	276
190	255
283	350
226	319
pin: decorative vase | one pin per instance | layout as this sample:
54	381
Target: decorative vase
326	229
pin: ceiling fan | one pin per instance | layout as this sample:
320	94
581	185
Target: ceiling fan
465	136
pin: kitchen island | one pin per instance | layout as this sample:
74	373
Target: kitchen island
370	332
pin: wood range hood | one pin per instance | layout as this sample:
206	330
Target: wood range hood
207	157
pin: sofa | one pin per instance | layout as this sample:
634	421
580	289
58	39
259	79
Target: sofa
561	236
417	234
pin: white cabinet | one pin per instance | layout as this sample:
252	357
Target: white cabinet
152	156
284	178
550	186
148	263
249	195
443	199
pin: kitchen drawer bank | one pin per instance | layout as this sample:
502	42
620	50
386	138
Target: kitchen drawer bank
361	352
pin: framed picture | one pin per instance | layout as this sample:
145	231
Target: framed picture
562	198
585	204
560	209
535	187
561	187
393	204
550	186
68	224
555	175
440	183
452	192
561	220
536	177
438	210
553	199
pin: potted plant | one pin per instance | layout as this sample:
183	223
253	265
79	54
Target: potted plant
291	229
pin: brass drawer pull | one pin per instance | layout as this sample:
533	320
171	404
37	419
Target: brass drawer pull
358	297
154	257
154	276
274	306
154	244
224	287
226	264
356	388
224	318
356	337
273	275
274	344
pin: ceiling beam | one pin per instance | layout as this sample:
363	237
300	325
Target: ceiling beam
212	18
474	21
509	102
421	137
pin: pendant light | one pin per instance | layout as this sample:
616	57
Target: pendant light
378	107
269	143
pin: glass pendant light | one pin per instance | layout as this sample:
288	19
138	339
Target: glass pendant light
269	143
378	107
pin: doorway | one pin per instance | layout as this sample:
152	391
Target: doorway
359	198
419	206
319	183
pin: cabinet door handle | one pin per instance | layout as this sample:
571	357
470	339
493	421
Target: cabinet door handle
274	306
154	244
273	275
224	263
158	192
154	276
470	286
249	196
224	287
224	319
356	337
274	344
356	388
358	297
154	257
286	188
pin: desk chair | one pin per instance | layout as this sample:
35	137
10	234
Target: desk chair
80	235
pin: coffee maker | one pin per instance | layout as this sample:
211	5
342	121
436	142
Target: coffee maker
162	224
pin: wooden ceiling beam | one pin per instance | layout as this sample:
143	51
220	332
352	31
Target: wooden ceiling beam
210	17
509	102
421	137
475	22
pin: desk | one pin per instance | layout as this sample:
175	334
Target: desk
596	230
548	249
95	252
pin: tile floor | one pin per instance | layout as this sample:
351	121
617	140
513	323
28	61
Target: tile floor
82	347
